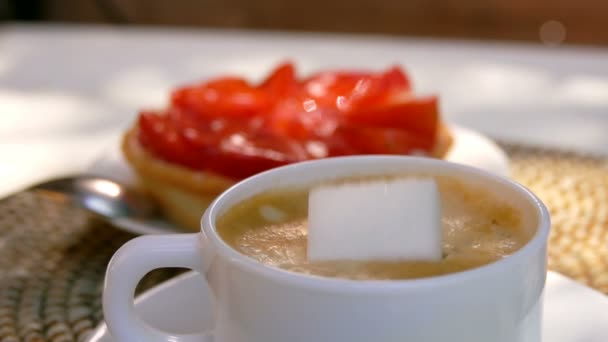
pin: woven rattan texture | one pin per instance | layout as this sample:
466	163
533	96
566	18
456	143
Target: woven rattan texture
575	189
52	262
53	255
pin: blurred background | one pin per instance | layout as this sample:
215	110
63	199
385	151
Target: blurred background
553	22
92	76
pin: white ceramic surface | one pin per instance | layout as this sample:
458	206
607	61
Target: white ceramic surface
572	312
469	148
498	302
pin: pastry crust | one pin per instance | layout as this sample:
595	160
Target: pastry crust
184	194
444	141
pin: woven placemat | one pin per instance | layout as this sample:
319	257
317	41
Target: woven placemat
53	255
575	189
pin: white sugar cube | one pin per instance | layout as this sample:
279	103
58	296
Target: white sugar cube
392	220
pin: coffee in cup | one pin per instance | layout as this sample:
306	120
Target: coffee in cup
478	228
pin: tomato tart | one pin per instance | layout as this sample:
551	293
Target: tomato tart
215	133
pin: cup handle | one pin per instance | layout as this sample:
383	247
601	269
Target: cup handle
128	265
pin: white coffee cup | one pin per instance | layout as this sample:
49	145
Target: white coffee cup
498	302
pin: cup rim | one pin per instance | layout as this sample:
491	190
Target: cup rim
248	264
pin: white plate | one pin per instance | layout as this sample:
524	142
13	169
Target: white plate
469	148
572	313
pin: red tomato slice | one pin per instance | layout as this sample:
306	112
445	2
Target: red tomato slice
238	154
395	79
302	120
333	89
281	83
382	140
230	151
348	91
418	115
235	129
231	97
377	90
158	135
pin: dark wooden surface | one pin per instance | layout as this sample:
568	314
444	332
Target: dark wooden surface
582	21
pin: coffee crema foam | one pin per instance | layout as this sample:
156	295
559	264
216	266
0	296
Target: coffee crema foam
478	229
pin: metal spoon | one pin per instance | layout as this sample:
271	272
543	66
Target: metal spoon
102	196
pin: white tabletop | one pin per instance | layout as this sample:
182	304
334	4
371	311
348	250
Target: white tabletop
67	92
